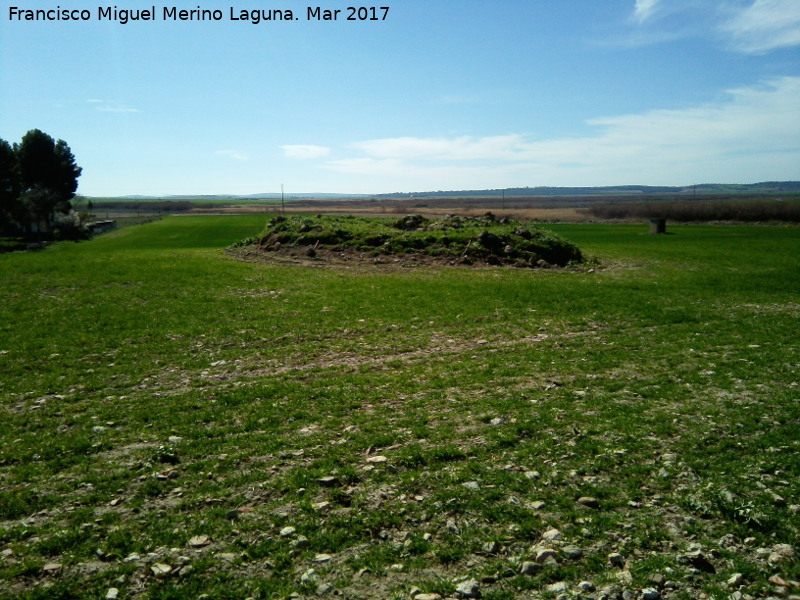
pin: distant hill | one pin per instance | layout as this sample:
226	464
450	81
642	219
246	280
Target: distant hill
767	187
230	197
763	188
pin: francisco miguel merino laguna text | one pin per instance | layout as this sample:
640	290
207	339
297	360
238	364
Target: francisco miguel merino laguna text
173	13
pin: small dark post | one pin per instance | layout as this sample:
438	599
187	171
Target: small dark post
658	226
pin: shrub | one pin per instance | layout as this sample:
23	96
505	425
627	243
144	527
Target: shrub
483	239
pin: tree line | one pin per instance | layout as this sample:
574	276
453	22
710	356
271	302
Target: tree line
750	211
38	181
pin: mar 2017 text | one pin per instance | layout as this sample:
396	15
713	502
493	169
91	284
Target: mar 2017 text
124	16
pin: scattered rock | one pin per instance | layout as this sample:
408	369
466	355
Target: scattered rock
546	555
471	485
310	576
322	558
572	552
780	552
452	527
287	531
161	570
778	500
530	568
551	534
586	586
650	594
226	556
610	591
427	597
624	576
50	568
779	581
616	559
301	542
589	502
533	475
491	547
557	588
736	580
700	561
468	589
330	481
199	541
377	459
112	594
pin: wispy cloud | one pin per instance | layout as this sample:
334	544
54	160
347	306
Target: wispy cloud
506	147
765	25
305	151
752	27
644	9
233	154
757	129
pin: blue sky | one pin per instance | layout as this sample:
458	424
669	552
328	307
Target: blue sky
441	95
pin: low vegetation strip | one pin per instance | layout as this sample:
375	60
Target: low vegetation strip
452	240
177	424
746	211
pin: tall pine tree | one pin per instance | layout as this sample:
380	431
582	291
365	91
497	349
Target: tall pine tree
47	178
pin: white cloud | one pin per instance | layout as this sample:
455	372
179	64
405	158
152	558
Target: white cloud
755	26
233	154
644	9
753	135
765	25
305	151
460	148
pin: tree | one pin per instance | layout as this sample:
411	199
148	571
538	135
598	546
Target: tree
9	187
48	176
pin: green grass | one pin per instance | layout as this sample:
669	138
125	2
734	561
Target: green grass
152	384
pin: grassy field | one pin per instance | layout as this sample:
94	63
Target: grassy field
175	423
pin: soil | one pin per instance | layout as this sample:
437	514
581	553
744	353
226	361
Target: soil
345	258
